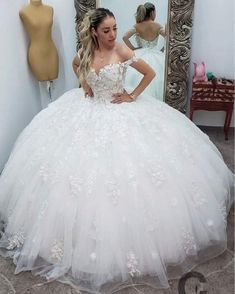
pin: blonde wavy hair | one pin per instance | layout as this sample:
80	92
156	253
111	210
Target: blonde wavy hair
144	11
88	41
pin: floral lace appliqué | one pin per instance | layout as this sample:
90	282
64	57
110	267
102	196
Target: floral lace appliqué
57	251
189	243
132	264
197	198
16	240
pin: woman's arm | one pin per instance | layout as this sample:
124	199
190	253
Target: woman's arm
148	75
84	85
127	36
162	31
142	67
75	65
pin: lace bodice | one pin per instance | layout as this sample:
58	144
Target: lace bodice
146	44
109	80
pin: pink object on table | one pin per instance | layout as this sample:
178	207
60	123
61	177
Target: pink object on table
199	72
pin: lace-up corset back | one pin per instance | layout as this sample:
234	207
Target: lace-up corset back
109	80
146	44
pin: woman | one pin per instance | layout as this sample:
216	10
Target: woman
100	187
147	32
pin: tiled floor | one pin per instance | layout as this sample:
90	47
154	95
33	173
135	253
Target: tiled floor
219	271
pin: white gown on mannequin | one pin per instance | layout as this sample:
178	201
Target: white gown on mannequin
150	53
96	192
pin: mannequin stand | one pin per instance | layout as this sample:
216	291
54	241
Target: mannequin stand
49	89
46	92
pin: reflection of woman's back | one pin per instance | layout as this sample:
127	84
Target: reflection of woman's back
148	30
42	53
146	33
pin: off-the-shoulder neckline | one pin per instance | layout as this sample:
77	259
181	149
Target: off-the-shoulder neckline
112	64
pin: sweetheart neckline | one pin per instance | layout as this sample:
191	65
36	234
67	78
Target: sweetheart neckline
128	61
103	67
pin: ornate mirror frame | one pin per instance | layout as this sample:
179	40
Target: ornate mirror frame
178	48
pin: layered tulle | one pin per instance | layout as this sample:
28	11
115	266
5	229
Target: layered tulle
96	192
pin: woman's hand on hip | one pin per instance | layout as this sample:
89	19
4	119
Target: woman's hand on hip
122	97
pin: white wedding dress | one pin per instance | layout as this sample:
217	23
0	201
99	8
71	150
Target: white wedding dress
150	53
96	192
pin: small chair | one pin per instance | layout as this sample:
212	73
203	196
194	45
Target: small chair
215	95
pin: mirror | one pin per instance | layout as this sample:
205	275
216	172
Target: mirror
178	18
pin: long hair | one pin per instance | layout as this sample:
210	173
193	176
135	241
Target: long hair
89	43
143	12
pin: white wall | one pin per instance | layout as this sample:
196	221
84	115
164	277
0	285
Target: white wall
21	94
213	42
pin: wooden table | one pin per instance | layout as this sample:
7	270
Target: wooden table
215	95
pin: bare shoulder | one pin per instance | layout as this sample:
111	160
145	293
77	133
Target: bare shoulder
157	25
124	52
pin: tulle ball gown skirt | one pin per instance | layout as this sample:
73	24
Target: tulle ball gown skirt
96	192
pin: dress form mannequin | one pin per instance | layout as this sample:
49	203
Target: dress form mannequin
43	57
